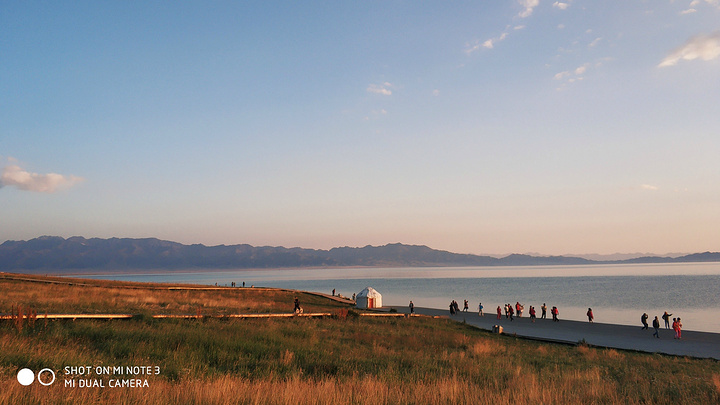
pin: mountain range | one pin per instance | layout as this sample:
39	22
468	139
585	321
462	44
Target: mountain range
78	254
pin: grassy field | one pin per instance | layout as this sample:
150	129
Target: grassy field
62	295
335	360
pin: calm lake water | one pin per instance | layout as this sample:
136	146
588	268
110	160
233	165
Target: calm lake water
616	293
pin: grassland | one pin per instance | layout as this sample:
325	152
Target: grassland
336	360
61	295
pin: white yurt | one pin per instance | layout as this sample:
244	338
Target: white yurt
368	298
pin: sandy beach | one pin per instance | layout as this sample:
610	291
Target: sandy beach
695	344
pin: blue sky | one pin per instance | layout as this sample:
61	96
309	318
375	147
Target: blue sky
476	127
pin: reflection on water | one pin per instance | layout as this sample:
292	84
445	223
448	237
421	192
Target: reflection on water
617	293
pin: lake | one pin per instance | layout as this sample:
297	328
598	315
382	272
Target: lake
616	293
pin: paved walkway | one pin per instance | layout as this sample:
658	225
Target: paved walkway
695	344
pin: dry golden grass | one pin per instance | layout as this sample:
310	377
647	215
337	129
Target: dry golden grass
582	387
484	347
94	297
319	361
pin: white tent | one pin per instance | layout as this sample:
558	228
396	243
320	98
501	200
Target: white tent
368	298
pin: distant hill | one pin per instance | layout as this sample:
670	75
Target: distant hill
53	253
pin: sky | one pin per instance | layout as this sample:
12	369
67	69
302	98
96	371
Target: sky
553	127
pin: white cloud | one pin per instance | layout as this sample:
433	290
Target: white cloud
704	47
595	42
14	175
383	89
688	11
714	3
470	48
561	6
528	5
577	72
518	27
562	75
649	187
572	76
488	44
436	92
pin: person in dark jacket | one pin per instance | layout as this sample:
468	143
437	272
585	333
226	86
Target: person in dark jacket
666	318
656	326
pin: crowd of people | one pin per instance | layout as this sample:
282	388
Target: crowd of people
676	324
511	311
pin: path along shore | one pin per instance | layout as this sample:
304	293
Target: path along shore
694	344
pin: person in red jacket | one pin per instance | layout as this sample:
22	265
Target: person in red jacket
532	313
590	315
499	312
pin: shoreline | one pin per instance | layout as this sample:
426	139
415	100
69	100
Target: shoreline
613	336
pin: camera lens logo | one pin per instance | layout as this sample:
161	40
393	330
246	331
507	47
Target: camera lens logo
26	377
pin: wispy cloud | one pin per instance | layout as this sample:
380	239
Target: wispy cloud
14	175
704	47
490	43
649	187
714	3
561	6
571	76
688	11
595	42
487	44
528	6
383	89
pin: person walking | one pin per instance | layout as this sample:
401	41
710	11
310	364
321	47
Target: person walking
465	306
544	311
296	309
532	313
666	318
480	309
452	307
644	319
656	326
412	307
590	315
499	312
511	312
675	327
555	312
